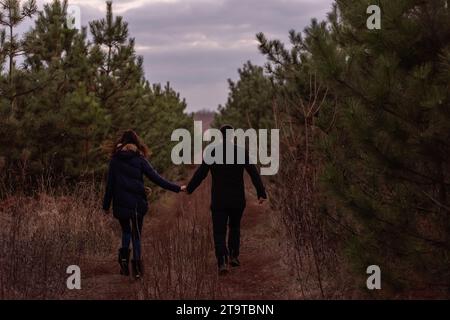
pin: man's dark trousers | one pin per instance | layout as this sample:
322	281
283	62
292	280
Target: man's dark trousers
222	219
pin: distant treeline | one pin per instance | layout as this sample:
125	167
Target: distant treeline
365	125
64	98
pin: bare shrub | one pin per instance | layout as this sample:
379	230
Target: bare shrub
42	235
298	198
179	260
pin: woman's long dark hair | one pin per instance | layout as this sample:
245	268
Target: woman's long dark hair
130	137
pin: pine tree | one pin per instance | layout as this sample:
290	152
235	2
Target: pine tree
12	13
388	155
12	79
119	76
50	39
73	97
386	148
127	98
66	110
164	112
250	100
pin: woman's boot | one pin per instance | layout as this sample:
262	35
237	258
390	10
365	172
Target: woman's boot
138	268
124	258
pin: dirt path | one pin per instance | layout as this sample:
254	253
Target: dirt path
261	276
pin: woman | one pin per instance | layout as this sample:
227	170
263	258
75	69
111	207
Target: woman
126	190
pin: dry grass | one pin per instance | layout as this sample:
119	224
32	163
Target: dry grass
179	259
313	239
178	264
42	235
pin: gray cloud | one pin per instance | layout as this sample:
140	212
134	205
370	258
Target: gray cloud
198	44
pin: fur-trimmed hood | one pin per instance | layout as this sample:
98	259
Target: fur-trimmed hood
127	151
128	147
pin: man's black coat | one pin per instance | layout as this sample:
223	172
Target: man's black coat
228	191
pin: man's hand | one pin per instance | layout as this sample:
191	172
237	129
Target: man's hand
183	189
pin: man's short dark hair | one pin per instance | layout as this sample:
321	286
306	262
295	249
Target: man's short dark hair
224	129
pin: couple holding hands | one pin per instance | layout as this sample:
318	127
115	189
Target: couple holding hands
126	191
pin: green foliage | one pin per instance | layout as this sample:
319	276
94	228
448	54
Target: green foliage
388	158
119	73
380	135
385	157
163	105
72	97
12	13
250	101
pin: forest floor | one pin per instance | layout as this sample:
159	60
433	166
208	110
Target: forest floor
263	274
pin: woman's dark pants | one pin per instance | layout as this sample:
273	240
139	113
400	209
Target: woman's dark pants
132	231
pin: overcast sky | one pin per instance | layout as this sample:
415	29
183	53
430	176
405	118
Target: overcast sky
198	44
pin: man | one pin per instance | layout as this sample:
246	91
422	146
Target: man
228	200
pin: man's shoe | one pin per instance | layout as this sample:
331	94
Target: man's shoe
124	258
223	265
138	268
234	262
223	269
